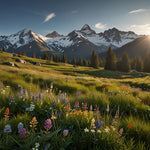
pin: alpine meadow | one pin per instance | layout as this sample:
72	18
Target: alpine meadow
74	75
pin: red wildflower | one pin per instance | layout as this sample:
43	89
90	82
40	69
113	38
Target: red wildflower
129	126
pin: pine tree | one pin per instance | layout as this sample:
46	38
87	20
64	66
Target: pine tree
33	55
147	63
74	61
110	60
4	50
125	63
45	56
96	61
93	59
24	54
59	59
80	61
64	58
85	62
51	58
137	64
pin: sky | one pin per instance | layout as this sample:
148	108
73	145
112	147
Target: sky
64	16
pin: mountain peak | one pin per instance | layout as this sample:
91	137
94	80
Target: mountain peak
87	30
54	34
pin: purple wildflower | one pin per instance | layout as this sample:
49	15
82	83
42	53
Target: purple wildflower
48	124
20	126
98	125
40	96
7	128
84	106
76	104
23	132
65	132
33	98
11	98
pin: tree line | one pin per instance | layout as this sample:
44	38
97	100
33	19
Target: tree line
111	62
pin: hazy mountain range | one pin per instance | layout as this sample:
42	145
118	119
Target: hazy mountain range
78	43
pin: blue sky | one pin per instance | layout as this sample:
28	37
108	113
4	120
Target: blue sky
63	16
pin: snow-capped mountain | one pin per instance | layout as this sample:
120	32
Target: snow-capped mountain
78	43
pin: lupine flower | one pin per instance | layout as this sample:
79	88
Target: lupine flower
120	132
40	96
68	107
11	98
22	132
86	130
92	130
7	128
76	104
33	98
20	126
65	132
129	126
107	108
48	124
98	125
84	106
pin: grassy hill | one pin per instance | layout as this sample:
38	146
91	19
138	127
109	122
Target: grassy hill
53	90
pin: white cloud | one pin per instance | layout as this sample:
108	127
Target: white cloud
99	25
50	16
141	29
138	11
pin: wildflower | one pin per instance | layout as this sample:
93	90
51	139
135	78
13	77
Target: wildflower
113	128
22	132
68	107
6	114
20	126
120	132
92	130
90	107
11	98
98	131
40	96
76	104
117	113
33	98
84	106
129	126
107	129
37	145
107	108
98	125
48	124
93	123
86	130
53	117
7	128
33	123
85	113
65	132
97	110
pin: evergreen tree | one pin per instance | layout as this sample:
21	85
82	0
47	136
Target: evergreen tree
24	54
59	59
93	59
4	50
137	64
74	61
51	58
96	61
45	56
110	60
69	61
85	62
80	61
33	55
147	63
125	63
118	65
64	58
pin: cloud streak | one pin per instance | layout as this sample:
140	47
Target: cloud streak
48	17
138	11
99	25
141	29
